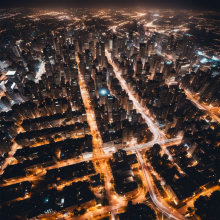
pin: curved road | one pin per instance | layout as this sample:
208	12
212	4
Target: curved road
160	203
158	137
154	129
201	106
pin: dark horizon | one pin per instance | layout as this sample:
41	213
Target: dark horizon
156	4
109	110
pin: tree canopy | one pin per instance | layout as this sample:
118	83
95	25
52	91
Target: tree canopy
208	208
138	212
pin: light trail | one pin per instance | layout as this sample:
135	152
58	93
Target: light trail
158	137
98	141
69	162
96	136
154	129
91	119
150	24
160	203
201	106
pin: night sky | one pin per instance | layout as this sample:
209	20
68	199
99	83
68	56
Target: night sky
169	4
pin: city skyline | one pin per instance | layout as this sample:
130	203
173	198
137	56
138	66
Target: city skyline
98	4
109	114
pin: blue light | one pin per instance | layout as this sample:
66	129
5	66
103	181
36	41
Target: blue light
103	92
168	62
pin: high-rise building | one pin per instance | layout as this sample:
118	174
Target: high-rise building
102	53
142	50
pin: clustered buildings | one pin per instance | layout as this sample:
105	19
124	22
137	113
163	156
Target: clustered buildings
44	122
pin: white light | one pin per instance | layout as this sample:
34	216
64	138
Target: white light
204	60
214	58
103	92
199	53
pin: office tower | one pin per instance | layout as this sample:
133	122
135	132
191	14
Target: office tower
111	104
110	44
6	102
17	97
98	50
171	42
210	87
41	41
102	53
88	56
15	49
156	65
164	44
130	35
150	47
188	41
198	80
72	51
182	66
139	68
66	72
92	48
124	135
98	80
129	106
168	65
142	50
48	69
163	95
15	77
115	46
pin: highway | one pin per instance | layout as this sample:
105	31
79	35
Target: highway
69	162
202	107
156	197
115	200
96	136
153	128
158	138
163	144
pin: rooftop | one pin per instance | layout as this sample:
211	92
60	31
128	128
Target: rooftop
10	73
